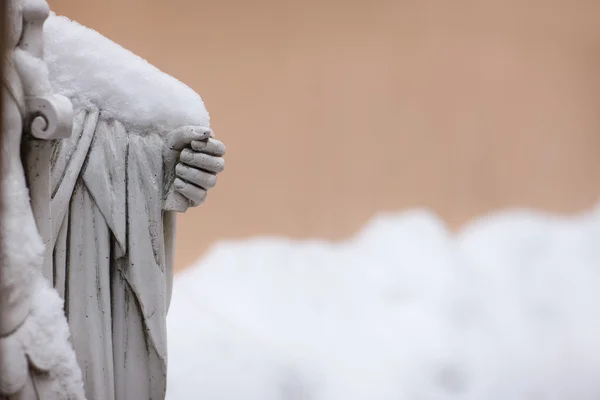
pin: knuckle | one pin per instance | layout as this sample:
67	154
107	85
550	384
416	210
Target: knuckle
199	145
180	169
186	155
211	181
221	164
179	184
219	147
201	198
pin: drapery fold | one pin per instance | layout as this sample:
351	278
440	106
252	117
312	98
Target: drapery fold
112	254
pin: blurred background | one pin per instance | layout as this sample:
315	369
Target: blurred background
335	110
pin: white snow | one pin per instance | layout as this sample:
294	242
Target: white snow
94	71
508	309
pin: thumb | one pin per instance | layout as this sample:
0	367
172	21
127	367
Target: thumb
183	136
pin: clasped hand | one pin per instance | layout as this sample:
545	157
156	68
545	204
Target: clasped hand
200	160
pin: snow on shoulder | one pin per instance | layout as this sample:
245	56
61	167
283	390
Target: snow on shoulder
93	71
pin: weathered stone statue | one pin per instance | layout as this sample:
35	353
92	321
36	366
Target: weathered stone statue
36	358
141	149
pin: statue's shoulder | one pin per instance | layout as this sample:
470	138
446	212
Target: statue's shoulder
123	85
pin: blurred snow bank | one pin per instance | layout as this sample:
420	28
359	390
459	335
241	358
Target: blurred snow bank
508	309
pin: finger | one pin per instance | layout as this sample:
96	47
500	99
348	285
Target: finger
195	176
211	146
194	194
183	136
202	161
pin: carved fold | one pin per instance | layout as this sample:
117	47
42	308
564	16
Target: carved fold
51	117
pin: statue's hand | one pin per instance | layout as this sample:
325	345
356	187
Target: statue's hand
196	172
175	142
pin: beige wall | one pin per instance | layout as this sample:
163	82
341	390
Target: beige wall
333	110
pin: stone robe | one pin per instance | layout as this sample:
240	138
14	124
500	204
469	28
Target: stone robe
112	259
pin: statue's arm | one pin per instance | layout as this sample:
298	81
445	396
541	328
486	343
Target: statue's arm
193	158
37	360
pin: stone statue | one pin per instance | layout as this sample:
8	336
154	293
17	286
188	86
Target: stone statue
141	150
36	359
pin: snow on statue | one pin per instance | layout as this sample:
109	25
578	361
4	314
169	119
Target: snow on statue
37	360
141	150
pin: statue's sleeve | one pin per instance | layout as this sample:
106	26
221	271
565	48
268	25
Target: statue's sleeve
124	172
147	270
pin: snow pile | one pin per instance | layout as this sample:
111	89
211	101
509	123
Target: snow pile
507	309
93	71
